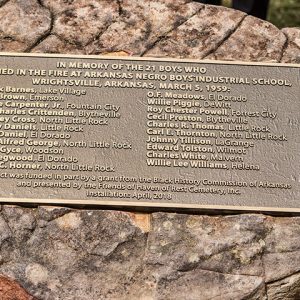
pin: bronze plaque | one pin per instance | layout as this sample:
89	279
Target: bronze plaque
149	132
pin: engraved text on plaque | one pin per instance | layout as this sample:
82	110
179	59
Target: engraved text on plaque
152	132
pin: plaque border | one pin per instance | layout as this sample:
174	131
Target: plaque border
150	205
162	59
147	205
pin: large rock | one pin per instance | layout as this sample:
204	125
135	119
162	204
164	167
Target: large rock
62	253
165	28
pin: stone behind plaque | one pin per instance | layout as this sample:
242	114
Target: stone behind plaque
64	253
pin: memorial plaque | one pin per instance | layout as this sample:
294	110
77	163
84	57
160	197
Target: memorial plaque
149	132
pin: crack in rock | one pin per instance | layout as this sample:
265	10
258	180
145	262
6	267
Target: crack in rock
44	36
286	288
254	40
141	25
291	53
228	35
165	34
199	35
284	46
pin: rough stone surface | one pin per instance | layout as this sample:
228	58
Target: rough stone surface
282	253
165	28
253	40
292	51
210	285
200	35
62	254
24	21
85	21
57	253
287	288
142	24
208	243
53	44
9	44
10	290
